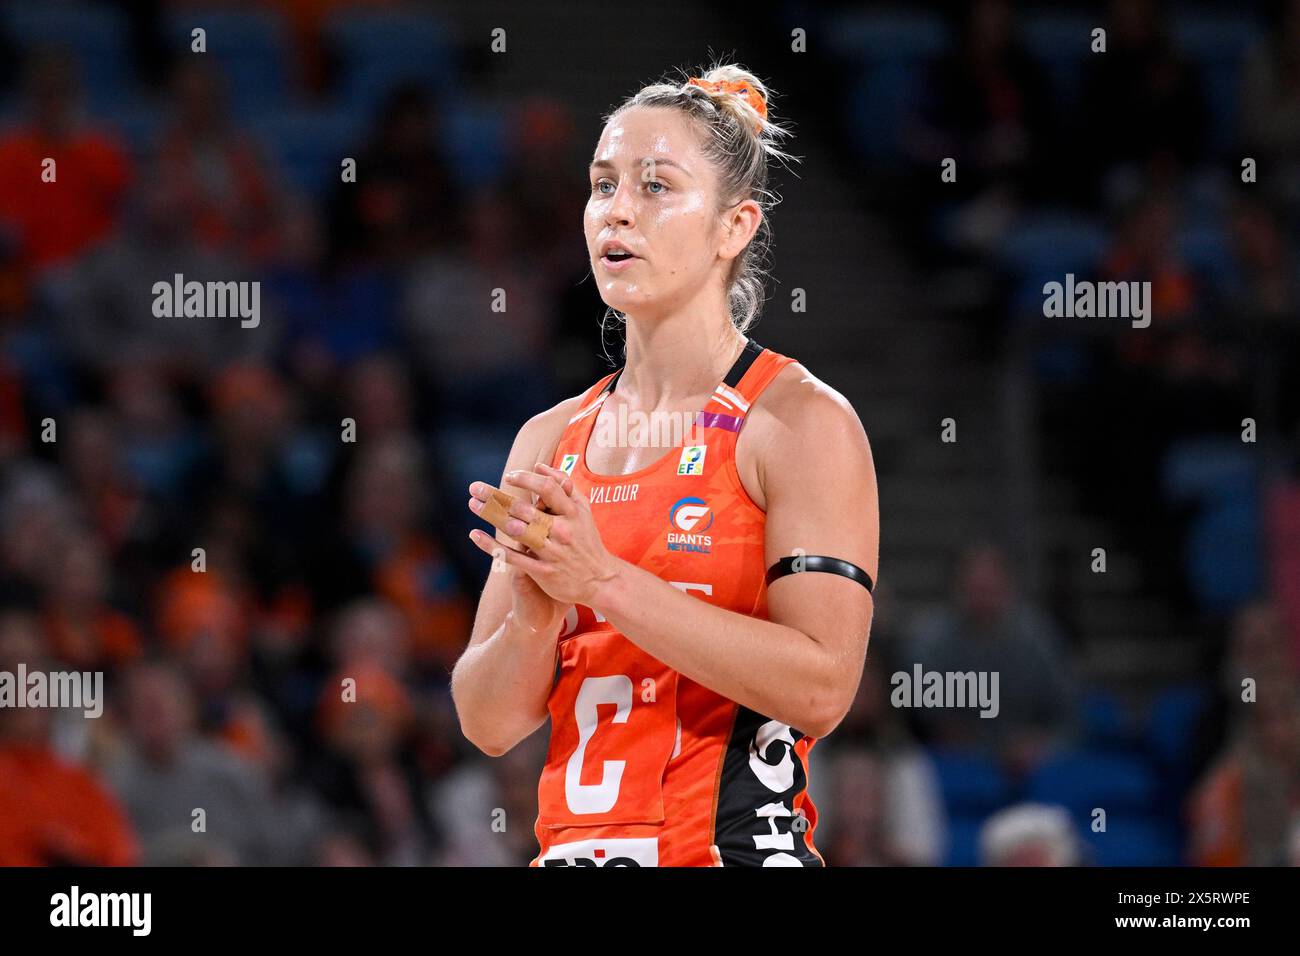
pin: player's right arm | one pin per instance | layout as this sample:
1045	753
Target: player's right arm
501	682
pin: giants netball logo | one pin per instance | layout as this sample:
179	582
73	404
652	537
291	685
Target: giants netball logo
689	519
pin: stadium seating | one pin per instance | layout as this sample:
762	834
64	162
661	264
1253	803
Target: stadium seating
1217	44
309	144
252	49
886	52
1044	247
1085	779
970	784
378	50
1218	476
1171	723
95	34
1059	43
1133	841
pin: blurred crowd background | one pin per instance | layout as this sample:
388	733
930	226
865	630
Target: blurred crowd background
324	558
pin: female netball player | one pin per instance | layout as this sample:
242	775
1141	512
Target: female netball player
696	615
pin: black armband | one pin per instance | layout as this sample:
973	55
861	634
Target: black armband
818	562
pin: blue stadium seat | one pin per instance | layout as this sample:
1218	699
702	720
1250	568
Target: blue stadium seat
887	53
1223	551
1172	720
1195	469
1210	37
252	48
898	34
1136	841
1207	250
971	784
1043	247
1217	44
879	104
963	841
475	142
1053	243
10	111
309	144
1059	43
1084	779
97	35
1219	475
378	50
1106	721
137	121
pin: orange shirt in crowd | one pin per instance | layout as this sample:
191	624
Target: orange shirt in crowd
52	812
440	619
56	220
109	638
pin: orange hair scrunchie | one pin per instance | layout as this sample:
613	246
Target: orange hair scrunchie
740	88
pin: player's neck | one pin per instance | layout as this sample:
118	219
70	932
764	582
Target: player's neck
672	360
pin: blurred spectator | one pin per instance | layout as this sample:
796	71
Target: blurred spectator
308	19
13	424
206	619
223	190
160	446
374	634
1143	112
56	218
487	808
330	319
1258	646
34	510
1244	809
402	203
167	773
103	305
368	775
250	475
386	548
83	630
1146	250
545	150
1270	108
52	813
991	629
1029	834
89	457
1269	288
1182	348
990	111
881	804
488	350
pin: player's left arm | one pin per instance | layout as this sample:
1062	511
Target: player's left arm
819	480
819	477
803	665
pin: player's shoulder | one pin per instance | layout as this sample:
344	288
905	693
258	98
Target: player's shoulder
543	431
796	403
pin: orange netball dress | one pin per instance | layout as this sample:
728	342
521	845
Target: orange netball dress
646	767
